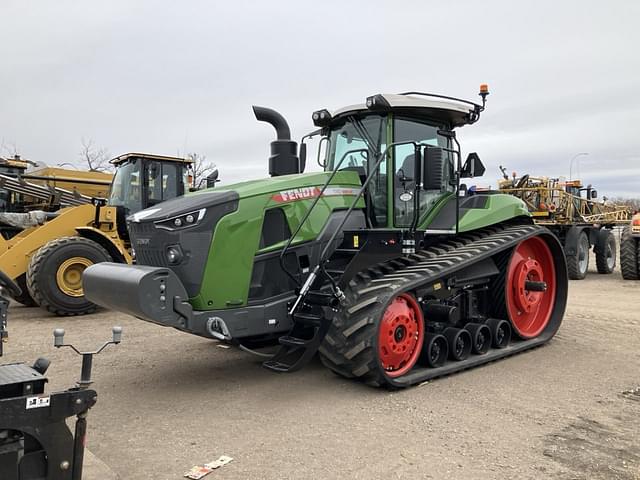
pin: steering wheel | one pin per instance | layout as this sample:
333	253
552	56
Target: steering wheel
11	286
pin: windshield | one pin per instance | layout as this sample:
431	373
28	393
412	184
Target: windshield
126	187
368	136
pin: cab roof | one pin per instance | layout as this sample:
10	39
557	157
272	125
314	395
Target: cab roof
453	111
149	156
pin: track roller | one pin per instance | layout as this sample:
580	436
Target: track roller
435	350
480	337
500	332
459	341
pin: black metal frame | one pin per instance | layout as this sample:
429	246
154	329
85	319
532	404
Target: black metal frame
477	109
64	451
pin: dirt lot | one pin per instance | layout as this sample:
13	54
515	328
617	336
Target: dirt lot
167	401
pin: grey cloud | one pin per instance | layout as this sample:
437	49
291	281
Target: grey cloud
172	77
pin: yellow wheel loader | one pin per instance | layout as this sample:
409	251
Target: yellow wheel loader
47	260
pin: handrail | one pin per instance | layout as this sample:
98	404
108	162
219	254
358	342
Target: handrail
359	194
310	209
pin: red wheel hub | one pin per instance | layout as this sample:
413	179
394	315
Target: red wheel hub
401	335
527	270
530	311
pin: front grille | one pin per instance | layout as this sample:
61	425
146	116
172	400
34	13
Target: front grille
151	256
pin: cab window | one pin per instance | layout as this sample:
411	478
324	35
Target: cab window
406	130
369	136
162	181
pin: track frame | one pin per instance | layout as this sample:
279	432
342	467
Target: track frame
431	268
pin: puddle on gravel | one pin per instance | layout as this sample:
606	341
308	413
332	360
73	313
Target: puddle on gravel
590	449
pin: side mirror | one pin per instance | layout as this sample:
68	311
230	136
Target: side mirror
594	194
433	168
212	179
302	155
473	166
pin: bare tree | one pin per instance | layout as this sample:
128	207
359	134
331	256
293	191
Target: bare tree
96	158
201	168
633	203
10	149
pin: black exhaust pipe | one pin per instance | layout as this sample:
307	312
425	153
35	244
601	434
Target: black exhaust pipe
284	157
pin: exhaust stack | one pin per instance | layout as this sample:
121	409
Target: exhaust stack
284	157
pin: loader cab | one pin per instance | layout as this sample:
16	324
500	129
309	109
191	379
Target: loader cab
142	180
11	201
355	137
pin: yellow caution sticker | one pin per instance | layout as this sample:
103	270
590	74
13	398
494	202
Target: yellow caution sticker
437	286
356	241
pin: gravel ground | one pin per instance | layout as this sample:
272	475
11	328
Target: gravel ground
168	401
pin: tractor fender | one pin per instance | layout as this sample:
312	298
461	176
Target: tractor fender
109	241
571	239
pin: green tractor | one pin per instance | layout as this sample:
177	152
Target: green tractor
384	263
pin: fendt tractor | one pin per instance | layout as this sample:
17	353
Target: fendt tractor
384	262
47	260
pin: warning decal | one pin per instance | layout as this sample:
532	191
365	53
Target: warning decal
37	402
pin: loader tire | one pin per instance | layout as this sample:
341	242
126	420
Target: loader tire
629	255
578	264
24	298
54	276
605	251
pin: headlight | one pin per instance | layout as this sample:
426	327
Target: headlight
182	221
174	254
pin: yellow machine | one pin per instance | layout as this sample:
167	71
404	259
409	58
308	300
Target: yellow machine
90	184
573	214
47	260
48	188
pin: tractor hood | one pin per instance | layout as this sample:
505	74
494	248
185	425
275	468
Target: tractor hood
253	188
230	194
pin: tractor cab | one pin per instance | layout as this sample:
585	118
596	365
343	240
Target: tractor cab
407	144
143	180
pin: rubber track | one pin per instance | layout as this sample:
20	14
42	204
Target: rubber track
33	283
629	255
349	348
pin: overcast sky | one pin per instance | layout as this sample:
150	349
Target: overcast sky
174	77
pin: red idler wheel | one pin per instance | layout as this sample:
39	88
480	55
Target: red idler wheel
401	335
530	287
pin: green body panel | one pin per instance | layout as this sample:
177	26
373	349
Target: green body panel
499	208
428	216
236	239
